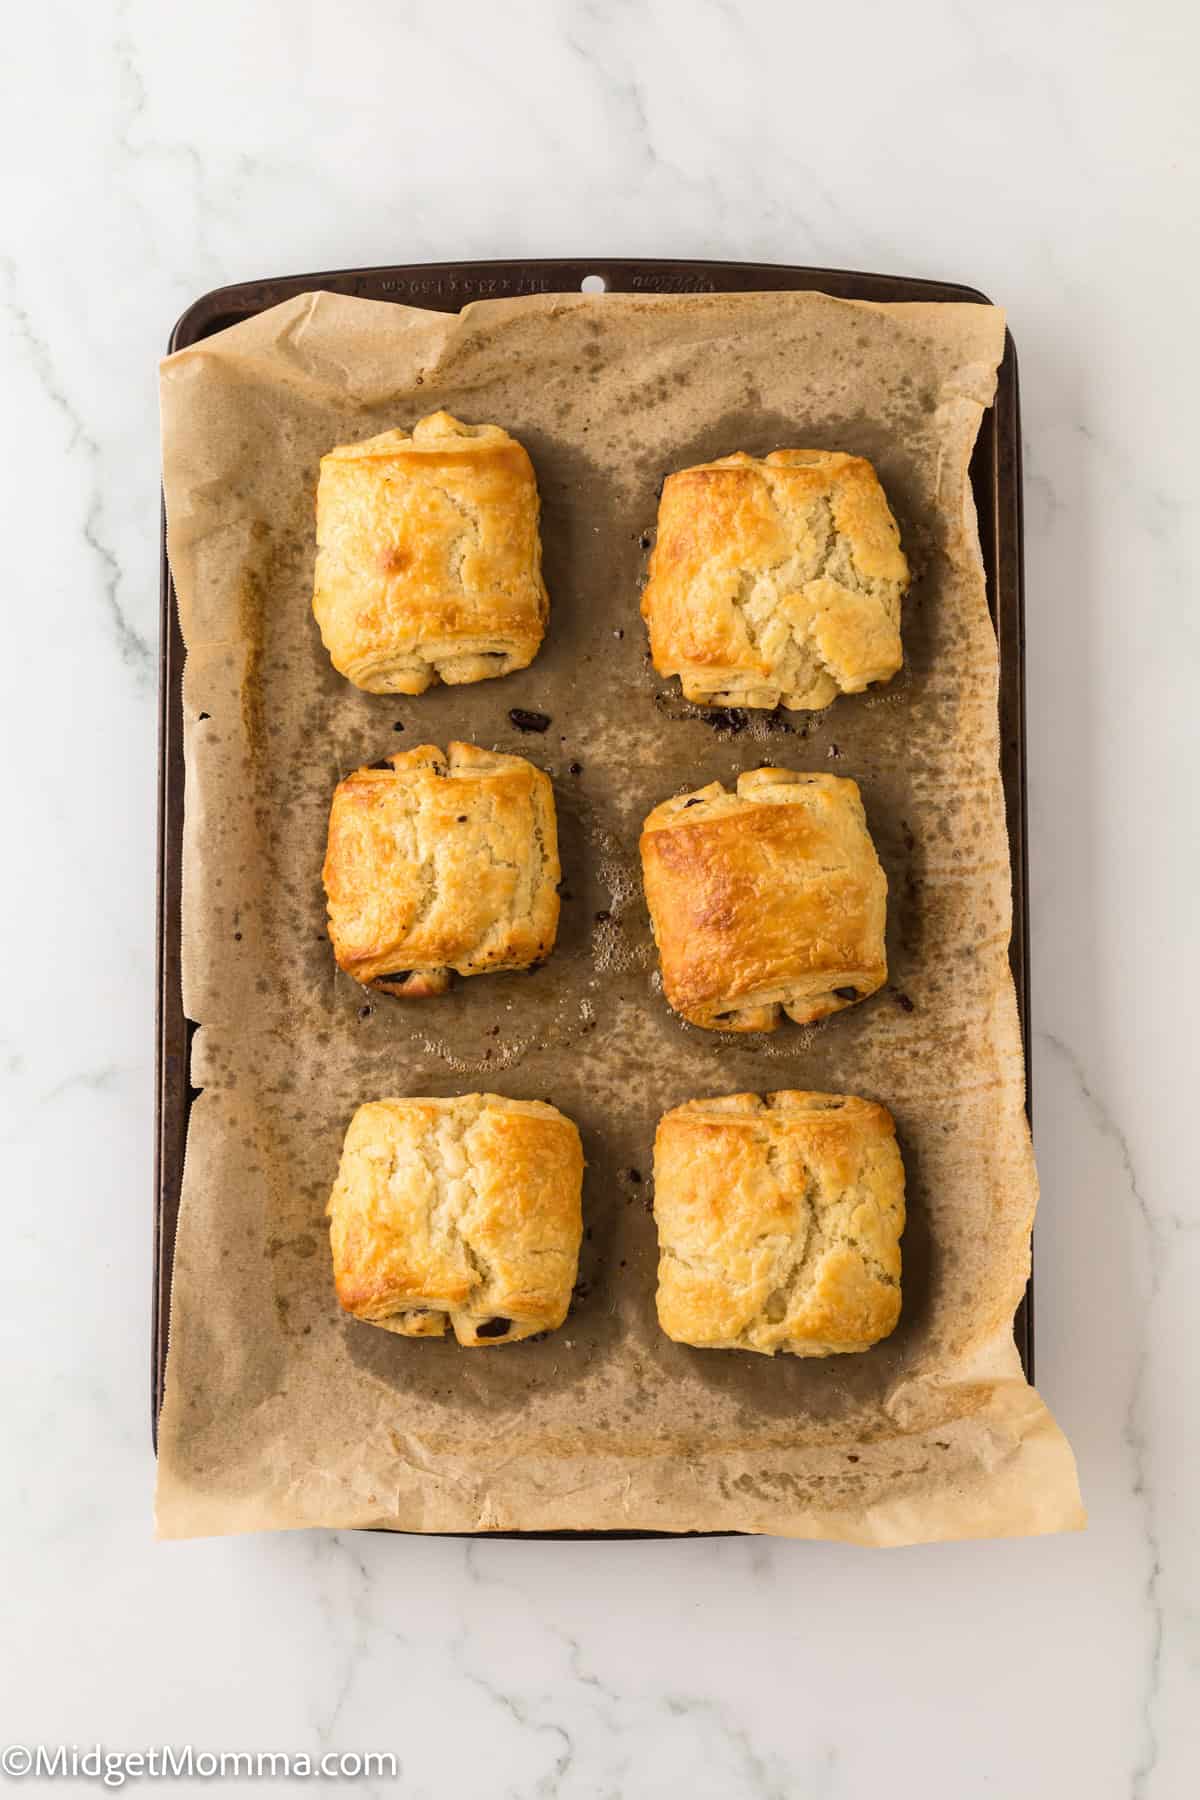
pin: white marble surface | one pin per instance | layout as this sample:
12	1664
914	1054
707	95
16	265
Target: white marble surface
1046	154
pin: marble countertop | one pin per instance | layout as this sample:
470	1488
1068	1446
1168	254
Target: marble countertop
1046	155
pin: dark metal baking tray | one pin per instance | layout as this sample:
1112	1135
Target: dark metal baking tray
995	478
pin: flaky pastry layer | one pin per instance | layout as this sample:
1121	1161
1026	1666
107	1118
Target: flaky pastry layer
429	559
765	901
438	863
775	581
779	1221
464	1210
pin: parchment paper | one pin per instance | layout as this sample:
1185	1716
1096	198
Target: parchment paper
280	1411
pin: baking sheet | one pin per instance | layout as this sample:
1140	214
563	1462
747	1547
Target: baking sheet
281	1412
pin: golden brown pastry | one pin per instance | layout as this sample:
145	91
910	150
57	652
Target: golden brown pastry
775	582
429	562
771	898
437	863
779	1222
465	1209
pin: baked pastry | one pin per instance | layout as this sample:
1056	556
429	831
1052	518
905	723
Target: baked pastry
775	582
437	863
429	562
465	1209
771	898
779	1222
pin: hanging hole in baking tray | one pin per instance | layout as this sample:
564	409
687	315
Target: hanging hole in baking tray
593	284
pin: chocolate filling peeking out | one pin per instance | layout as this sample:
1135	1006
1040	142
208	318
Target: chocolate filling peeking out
846	993
493	1328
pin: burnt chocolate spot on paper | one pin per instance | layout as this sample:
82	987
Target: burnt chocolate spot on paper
529	721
